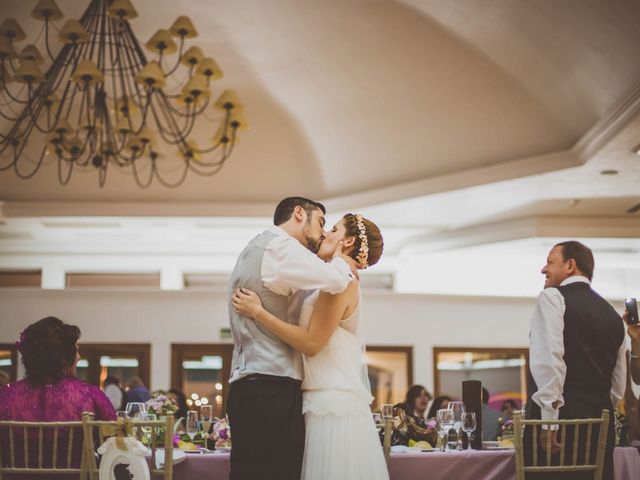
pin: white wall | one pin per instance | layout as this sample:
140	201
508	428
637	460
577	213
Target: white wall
163	317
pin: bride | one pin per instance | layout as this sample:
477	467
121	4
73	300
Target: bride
341	438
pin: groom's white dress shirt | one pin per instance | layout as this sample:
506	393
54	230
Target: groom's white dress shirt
288	268
546	353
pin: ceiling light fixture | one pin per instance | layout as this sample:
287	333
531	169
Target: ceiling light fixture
101	102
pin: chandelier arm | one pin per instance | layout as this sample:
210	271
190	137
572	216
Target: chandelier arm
215	146
180	53
46	39
161	128
102	176
174	129
12	98
64	180
136	175
131	46
33	117
7	117
180	181
35	169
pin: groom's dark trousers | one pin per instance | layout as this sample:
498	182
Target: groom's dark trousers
267	428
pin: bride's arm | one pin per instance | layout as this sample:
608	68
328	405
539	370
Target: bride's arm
329	308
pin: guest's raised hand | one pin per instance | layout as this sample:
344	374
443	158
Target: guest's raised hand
544	438
632	330
246	302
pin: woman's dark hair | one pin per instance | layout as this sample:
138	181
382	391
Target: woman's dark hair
112	380
374	238
182	403
511	402
435	406
414	392
285	208
48	349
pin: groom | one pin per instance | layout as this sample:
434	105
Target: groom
265	399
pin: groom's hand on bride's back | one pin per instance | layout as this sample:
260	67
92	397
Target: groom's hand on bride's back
353	265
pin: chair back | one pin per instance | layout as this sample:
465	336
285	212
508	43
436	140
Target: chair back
28	448
155	429
576	439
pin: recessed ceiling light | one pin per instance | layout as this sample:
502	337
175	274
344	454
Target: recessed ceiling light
609	172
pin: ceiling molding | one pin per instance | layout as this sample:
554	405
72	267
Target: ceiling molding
455	181
528	227
603	132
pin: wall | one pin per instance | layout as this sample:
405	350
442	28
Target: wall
165	317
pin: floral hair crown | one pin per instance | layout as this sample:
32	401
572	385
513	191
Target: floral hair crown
363	252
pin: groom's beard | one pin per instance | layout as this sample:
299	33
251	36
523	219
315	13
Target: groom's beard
313	244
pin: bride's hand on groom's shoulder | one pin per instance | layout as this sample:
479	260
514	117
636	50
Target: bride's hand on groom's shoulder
353	265
246	302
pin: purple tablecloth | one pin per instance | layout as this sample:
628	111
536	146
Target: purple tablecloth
476	465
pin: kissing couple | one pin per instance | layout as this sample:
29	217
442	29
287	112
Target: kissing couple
296	319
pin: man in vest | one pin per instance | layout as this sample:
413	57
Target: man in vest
577	354
265	399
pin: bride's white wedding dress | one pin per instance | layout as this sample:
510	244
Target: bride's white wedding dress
341	438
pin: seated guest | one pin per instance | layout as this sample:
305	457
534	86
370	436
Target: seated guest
508	407
179	397
416	401
114	392
489	418
137	391
50	392
439	403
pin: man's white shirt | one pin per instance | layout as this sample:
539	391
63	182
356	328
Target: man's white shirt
546	353
290	269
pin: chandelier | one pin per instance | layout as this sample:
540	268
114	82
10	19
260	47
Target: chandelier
101	102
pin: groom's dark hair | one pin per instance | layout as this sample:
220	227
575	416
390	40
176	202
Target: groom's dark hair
284	210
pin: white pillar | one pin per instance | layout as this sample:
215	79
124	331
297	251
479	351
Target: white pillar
53	277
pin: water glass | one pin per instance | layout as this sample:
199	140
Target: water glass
469	425
122	414
206	417
445	420
192	423
146	417
134	409
458	412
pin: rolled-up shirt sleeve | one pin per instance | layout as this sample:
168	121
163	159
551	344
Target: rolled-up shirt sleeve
619	380
288	266
546	352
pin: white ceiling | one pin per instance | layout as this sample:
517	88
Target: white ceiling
436	119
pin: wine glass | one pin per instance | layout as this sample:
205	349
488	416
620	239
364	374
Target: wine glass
458	412
146	417
134	409
206	416
122	414
445	420
192	423
387	410
469	425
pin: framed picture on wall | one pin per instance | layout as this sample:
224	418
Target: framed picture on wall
390	373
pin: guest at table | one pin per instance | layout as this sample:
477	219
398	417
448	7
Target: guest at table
439	403
577	352
634	353
137	391
114	392
490	418
508	407
50	392
417	400
181	414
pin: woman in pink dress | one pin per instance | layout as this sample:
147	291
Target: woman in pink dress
50	392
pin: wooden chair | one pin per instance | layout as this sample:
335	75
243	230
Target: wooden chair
28	439
103	429
580	449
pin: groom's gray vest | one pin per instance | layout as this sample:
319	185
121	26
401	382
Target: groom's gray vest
256	350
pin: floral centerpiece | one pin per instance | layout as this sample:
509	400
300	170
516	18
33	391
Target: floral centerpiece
410	430
161	405
221	434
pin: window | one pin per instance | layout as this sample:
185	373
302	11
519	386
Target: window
9	361
202	372
98	360
502	371
390	373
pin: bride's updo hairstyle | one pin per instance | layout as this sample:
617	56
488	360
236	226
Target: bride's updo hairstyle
368	246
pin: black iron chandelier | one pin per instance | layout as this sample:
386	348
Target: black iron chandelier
102	103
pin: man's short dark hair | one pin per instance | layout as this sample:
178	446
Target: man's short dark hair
284	210
581	254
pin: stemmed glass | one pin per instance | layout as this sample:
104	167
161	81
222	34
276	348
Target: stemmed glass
147	429
192	423
458	412
206	416
134	409
469	425
445	420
